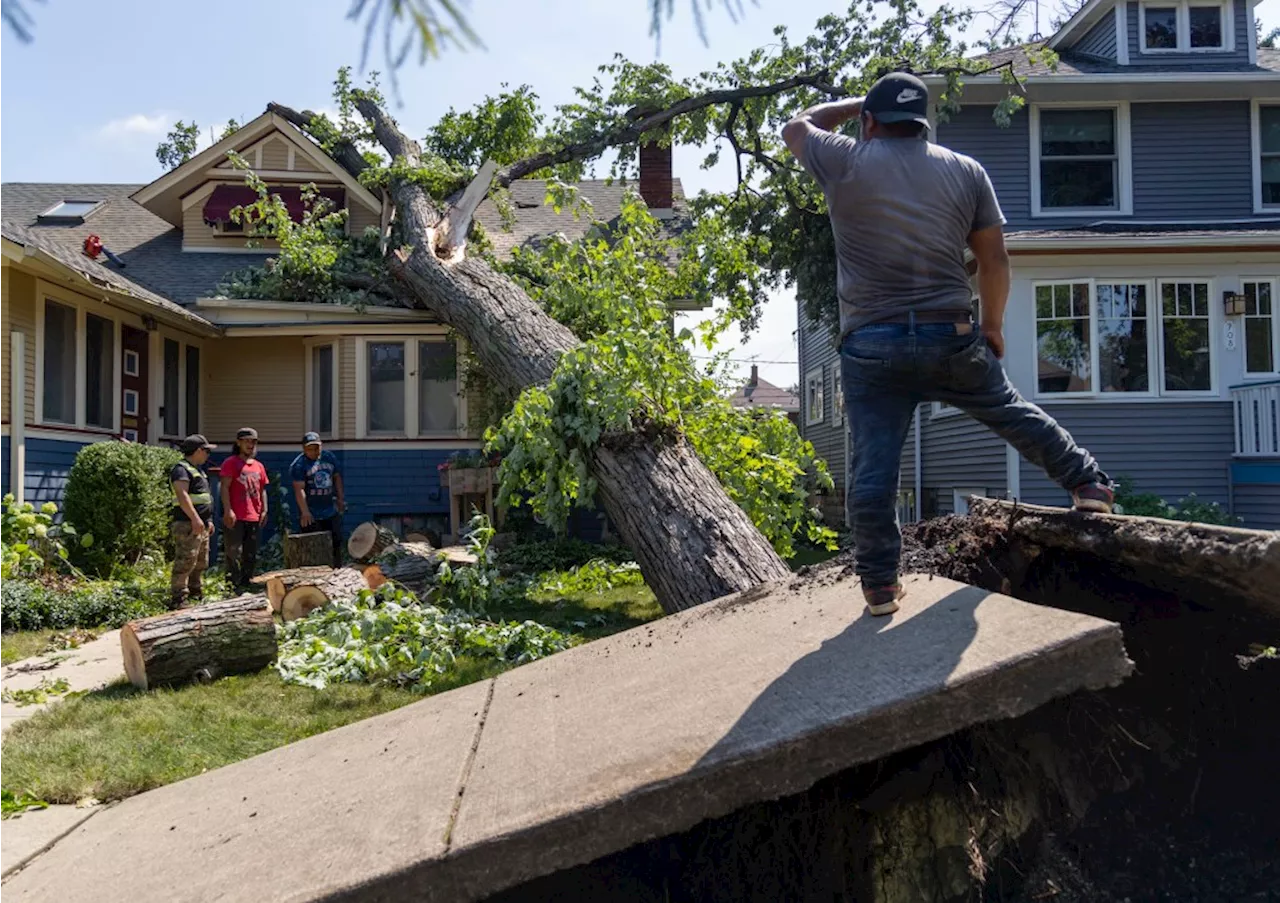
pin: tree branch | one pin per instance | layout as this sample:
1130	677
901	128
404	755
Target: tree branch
344	152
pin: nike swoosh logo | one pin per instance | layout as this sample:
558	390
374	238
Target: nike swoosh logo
907	95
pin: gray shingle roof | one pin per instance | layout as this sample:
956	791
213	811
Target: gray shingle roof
764	394
1265	229
1075	64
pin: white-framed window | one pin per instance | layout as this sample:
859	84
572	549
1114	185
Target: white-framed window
837	395
1266	157
1185	26
1123	338
132	363
815	401
78	357
322	388
408	387
131	403
1080	161
177	385
1261	326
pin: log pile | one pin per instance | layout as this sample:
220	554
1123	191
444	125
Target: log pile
308	550
408	564
202	643
278	583
305	596
368	541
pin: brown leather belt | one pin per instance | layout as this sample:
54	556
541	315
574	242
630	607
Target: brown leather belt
933	316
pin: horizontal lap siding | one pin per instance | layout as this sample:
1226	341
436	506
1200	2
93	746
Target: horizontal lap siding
275	155
360	217
817	349
48	464
1259	506
258	382
1192	160
957	452
1004	152
1243	38
1099	41
1170	448
20	316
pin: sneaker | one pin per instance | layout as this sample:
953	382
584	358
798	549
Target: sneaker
1093	497
883	600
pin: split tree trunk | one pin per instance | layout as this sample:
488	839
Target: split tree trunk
308	550
278	583
708	547
368	541
235	636
339	586
409	564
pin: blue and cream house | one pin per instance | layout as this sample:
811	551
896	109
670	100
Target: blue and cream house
1141	183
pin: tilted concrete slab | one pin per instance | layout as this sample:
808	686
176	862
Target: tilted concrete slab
635	736
24	837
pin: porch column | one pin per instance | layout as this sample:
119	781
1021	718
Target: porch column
17	415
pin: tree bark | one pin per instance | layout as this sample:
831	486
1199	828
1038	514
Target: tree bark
665	491
308	550
368	541
409	564
278	583
339	586
235	636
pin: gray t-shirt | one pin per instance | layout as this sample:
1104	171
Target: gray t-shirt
902	210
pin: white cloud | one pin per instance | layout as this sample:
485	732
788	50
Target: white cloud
139	125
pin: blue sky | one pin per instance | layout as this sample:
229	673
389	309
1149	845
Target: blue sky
100	85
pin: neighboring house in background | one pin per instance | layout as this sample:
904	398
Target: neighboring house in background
1141	184
133	344
760	393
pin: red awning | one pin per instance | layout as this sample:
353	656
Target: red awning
227	197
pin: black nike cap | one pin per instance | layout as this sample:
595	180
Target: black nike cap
898	97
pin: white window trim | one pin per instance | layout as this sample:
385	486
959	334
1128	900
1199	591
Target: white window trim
1124	160
1155	342
1122	33
411	431
810	377
157	384
837	395
47	292
1255	138
1225	10
311	345
1250	375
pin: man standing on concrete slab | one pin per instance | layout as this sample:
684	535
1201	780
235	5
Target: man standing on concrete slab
244	508
903	211
317	487
191	520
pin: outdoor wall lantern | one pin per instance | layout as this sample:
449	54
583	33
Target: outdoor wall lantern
1233	303
149	323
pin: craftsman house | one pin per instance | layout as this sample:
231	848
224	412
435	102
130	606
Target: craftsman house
1141	183
115	329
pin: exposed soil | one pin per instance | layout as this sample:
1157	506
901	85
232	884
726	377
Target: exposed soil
1162	789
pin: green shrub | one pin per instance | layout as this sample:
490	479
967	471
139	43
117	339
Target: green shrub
559	555
32	543
1189	508
119	492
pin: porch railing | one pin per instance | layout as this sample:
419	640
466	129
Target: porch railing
1257	419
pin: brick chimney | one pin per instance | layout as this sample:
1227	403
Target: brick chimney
655	177
755	376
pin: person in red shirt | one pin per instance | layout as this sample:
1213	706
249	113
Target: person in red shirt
244	508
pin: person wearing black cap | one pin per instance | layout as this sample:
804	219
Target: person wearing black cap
191	521
317	487
903	210
244	507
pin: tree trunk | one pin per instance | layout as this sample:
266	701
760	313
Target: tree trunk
409	564
308	550
235	636
694	543
278	583
368	541
340	585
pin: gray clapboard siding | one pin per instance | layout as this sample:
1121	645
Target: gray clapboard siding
1243	37
1171	448
1003	151
958	452
818	350
1192	160
1099	41
1258	505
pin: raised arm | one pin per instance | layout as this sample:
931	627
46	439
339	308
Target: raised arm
823	117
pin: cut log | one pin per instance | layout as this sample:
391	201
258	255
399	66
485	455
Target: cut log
308	550
1170	554
519	345
417	537
410	564
340	585
204	642
368	541
373	575
278	583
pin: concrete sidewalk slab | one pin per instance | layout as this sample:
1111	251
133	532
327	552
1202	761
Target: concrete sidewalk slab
33	832
90	667
631	737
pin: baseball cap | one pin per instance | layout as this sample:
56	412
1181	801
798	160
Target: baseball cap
311	439
195	442
898	97
247	432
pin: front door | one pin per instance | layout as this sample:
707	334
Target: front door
133	386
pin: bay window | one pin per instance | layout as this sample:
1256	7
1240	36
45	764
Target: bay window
411	387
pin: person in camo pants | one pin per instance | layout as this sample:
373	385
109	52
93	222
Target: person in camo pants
191	521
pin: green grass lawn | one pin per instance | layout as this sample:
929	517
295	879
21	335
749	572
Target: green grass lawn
20	644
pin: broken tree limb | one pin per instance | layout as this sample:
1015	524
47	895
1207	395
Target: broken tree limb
346	153
453	231
518	345
204	642
1243	563
340	585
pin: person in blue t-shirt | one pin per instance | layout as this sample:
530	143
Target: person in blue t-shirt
317	487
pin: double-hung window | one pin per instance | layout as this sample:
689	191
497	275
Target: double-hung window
1080	160
815	398
411	387
77	359
1184	26
322	388
1261	327
179	389
1266	152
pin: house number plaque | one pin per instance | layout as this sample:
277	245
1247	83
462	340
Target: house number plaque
1229	335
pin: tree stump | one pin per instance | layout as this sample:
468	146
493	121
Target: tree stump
235	636
368	541
338	586
308	550
278	583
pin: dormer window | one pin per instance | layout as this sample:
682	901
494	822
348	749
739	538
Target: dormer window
68	213
1183	27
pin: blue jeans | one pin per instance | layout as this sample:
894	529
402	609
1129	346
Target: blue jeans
889	368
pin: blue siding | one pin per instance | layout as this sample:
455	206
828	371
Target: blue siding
4	465
1244	37
957	452
818	349
48	465
1255	492
1170	448
1005	152
1099	41
1192	160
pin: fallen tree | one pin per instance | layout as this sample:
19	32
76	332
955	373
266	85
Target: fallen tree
304	597
201	643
